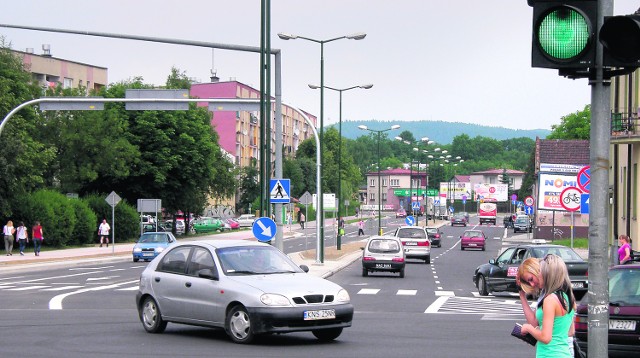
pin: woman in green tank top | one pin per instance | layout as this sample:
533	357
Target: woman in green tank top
556	307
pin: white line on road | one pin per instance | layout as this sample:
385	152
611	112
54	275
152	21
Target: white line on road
56	302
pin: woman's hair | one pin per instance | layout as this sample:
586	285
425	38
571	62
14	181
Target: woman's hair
532	266
21	223
625	238
556	278
9	223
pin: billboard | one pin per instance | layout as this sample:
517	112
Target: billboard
550	188
491	192
458	190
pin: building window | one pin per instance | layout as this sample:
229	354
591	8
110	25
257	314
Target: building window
68	83
384	196
372	196
372	182
384	182
395	182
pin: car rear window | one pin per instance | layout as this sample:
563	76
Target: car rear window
624	286
411	233
383	246
565	253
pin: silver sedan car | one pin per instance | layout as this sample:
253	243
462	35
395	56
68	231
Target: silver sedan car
248	288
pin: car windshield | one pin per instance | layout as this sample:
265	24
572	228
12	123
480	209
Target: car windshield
522	221
624	287
431	230
254	260
383	246
473	234
566	253
153	238
411	233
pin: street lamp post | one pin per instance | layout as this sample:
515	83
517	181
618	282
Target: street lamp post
340	90
356	36
379	132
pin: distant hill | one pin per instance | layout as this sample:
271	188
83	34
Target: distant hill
440	131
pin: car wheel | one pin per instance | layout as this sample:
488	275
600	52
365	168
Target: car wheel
365	273
402	273
482	286
238	325
483	247
135	259
427	260
326	335
151	317
461	247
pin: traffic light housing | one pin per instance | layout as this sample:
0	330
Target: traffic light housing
563	34
620	38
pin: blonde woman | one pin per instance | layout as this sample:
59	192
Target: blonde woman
8	231
552	323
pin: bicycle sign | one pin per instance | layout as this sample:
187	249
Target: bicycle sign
570	198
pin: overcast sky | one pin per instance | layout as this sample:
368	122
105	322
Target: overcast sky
462	61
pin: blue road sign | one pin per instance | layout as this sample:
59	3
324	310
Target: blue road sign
264	229
415	205
279	190
528	210
410	220
584	204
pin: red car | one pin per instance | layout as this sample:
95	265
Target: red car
232	223
624	312
473	239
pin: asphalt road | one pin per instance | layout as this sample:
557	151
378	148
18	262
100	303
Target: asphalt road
434	311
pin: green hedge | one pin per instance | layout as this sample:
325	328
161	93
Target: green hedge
127	220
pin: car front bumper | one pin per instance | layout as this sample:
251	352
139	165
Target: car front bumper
291	319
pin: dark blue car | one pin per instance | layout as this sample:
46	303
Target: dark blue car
151	244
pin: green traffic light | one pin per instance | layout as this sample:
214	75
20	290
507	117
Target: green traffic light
563	33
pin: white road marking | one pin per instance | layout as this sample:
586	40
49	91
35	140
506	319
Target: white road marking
27	288
407	292
445	293
90	268
368	291
101	278
132	288
61	288
56	302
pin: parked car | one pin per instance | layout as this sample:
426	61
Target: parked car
152	227
246	220
233	223
415	242
624	313
401	213
151	244
383	253
205	224
458	219
246	288
435	236
499	275
473	239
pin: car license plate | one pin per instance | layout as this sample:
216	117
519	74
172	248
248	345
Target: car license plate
577	284
319	314
411	243
473	244
147	254
383	265
622	325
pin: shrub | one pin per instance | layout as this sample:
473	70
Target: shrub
127	220
85	229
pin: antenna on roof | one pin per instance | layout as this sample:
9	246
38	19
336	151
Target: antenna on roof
213	77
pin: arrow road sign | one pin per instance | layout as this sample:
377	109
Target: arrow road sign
264	229
410	220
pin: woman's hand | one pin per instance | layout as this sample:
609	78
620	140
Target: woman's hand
526	329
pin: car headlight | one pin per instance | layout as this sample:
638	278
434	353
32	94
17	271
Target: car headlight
137	249
271	299
343	296
159	249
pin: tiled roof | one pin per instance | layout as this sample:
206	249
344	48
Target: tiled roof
556	151
499	172
462	178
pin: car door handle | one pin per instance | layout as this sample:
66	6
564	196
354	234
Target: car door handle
187	284
157	279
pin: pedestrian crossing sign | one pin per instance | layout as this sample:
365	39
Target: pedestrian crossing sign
279	190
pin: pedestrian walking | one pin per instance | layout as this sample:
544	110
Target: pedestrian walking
37	237
551	324
360	227
103	232
21	237
624	252
302	220
8	231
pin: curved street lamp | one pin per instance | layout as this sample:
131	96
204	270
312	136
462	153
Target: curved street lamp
379	132
356	36
340	90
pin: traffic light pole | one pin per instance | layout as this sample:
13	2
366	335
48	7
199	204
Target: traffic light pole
598	295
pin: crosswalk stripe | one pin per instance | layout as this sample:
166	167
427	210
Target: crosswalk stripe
407	292
26	288
61	288
368	291
133	288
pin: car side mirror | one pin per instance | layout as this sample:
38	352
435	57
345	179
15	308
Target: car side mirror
208	273
492	261
304	268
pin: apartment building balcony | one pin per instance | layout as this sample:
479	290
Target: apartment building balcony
625	128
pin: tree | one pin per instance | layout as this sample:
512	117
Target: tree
249	188
23	159
573	126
